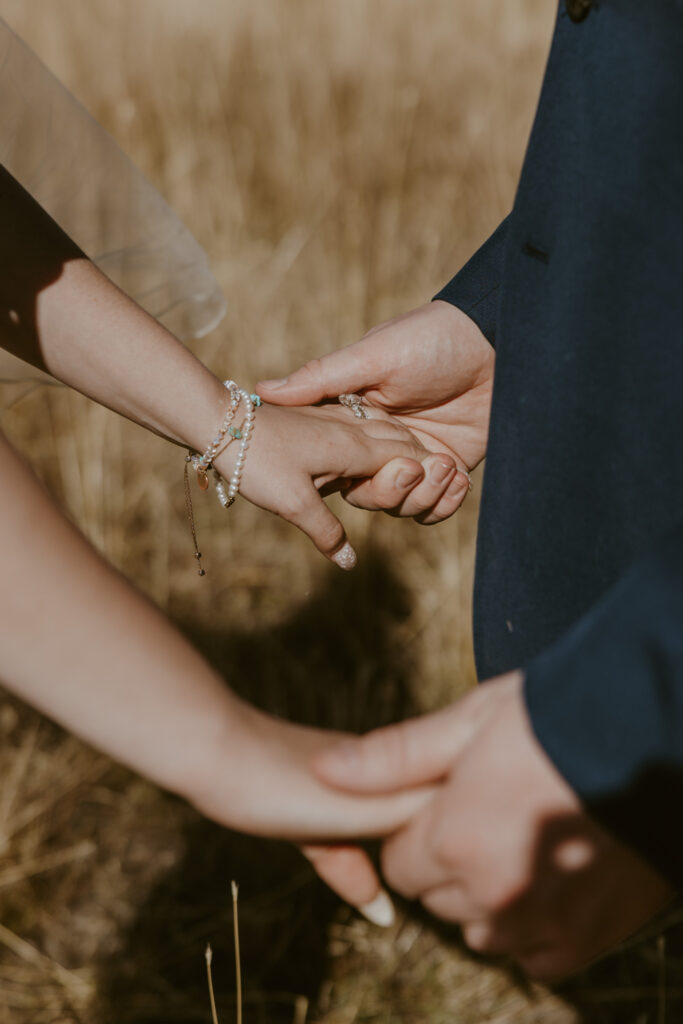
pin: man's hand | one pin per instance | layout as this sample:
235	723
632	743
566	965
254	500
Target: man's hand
433	369
504	847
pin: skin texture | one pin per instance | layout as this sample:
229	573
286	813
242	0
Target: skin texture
56	653
504	847
432	369
61	314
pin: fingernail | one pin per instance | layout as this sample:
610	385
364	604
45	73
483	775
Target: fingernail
380	910
273	385
440	471
346	557
407	477
457	487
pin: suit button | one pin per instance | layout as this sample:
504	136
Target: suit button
578	9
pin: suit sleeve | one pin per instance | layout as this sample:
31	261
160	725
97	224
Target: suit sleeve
476	288
606	703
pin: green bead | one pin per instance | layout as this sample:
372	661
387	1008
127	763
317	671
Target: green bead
235	432
256	400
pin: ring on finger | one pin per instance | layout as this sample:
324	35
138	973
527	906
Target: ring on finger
355	404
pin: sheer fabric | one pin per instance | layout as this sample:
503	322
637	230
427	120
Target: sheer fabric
76	171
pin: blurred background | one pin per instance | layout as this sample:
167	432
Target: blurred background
339	162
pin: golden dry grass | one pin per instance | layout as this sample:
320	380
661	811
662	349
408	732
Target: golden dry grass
339	162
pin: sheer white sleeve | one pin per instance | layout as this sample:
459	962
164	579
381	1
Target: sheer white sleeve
80	176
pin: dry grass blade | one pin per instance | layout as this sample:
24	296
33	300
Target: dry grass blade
300	1010
339	162
209	957
13	780
661	980
238	964
48	862
21	948
44	804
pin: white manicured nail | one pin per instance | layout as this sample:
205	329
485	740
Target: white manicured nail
380	910
346	557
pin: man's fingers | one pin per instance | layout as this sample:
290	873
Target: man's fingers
410	753
413	863
398	489
349	872
346	370
449	502
388	488
440	472
430	496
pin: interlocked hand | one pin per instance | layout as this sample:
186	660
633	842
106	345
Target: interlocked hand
433	370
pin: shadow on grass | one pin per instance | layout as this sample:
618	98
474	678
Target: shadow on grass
642	984
335	663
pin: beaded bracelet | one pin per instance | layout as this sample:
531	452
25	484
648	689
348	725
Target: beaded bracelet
203	463
227	498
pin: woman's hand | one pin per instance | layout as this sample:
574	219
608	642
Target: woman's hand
257	778
80	644
297	453
433	369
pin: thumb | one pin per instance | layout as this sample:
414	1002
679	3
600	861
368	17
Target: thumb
349	369
411	753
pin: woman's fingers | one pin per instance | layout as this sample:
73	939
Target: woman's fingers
350	873
387	489
307	510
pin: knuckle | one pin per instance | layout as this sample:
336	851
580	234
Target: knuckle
329	535
314	369
294	507
385	496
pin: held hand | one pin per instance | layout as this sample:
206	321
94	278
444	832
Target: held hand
264	758
431	368
504	848
296	453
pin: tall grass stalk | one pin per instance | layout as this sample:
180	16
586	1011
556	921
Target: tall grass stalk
238	965
209	957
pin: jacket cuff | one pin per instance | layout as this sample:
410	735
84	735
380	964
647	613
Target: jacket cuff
476	288
606	704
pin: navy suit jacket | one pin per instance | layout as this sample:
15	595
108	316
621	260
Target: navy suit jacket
580	549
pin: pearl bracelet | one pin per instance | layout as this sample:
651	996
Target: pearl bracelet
203	463
227	497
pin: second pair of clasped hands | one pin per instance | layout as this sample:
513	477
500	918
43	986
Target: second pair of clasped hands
495	840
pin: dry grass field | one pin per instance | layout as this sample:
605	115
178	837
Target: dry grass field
338	161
